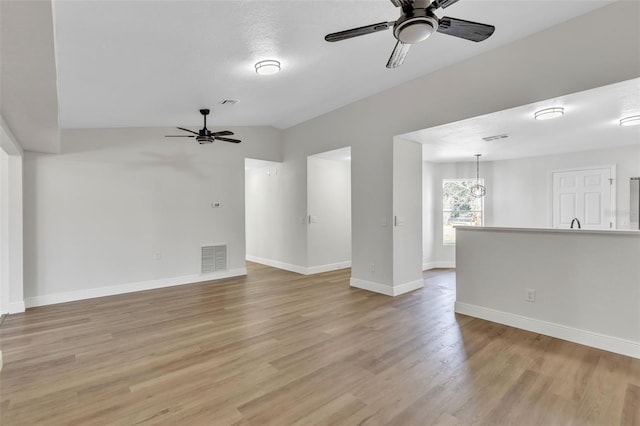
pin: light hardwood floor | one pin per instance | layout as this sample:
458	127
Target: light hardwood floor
280	348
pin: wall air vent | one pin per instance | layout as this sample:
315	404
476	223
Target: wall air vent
213	259
229	102
495	137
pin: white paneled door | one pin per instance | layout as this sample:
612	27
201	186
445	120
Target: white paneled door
585	194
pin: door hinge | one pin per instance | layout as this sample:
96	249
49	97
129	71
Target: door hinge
610	225
610	181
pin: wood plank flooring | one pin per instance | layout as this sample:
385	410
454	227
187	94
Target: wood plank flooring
277	348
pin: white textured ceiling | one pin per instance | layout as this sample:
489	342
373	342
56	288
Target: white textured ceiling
155	63
591	120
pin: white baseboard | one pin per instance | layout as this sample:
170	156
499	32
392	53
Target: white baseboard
407	287
386	289
300	269
371	286
16	307
328	267
276	264
583	337
438	264
90	293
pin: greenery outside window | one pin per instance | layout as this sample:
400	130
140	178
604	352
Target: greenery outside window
459	207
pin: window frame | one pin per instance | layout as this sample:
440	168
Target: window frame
446	239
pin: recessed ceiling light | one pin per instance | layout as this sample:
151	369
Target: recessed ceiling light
267	67
549	113
632	120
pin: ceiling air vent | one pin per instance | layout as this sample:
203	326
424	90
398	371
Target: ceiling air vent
229	102
495	137
213	259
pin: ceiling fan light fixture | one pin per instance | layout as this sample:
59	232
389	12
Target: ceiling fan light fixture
549	113
416	29
204	139
267	67
632	120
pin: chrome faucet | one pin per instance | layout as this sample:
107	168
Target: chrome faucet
575	219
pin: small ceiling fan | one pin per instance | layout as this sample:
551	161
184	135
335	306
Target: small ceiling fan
205	135
416	23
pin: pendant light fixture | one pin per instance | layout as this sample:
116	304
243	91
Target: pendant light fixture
478	190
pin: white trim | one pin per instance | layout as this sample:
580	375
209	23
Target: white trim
371	286
386	289
601	341
71	296
328	267
300	269
407	287
276	264
16	307
438	264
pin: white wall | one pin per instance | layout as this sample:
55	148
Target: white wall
97	214
264	213
522	188
11	223
430	215
517	74
407	204
518	192
329	203
585	282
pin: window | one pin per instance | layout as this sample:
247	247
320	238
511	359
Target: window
459	207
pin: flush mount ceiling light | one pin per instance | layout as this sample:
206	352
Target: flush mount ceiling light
478	190
549	113
267	67
632	120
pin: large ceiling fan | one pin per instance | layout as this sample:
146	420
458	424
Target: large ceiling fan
416	23
205	135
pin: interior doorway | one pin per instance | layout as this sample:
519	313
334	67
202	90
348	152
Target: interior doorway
329	210
264	211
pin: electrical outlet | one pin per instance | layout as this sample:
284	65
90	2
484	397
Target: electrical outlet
156	255
530	295
372	267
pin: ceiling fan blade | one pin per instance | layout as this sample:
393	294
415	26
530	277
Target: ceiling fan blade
443	3
355	32
468	30
228	140
179	136
222	133
399	53
401	3
187	130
